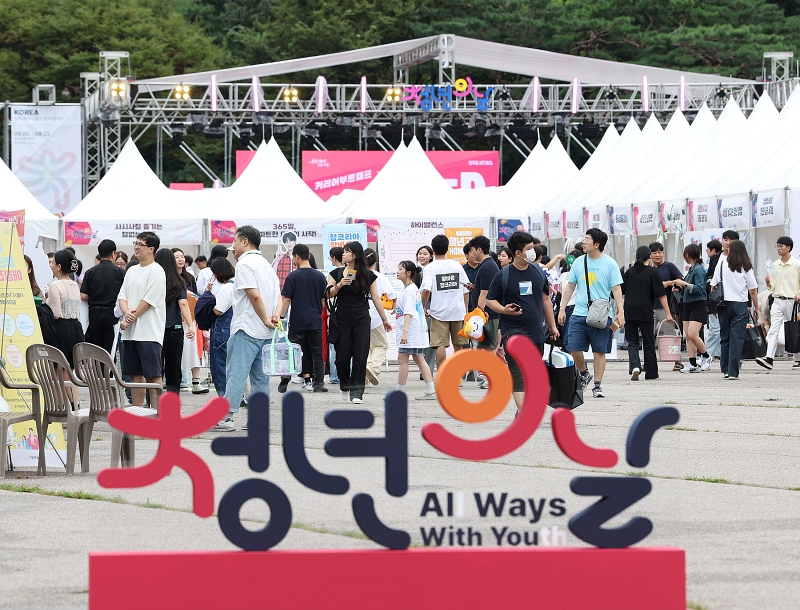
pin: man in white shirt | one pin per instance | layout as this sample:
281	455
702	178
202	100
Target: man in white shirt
256	293
445	284
142	300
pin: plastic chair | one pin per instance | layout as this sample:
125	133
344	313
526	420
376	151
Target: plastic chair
16	417
46	368
96	369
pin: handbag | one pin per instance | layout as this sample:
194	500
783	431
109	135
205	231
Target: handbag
755	345
279	357
565	384
791	331
716	298
599	308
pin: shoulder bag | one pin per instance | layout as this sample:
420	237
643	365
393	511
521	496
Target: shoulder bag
599	308
716	298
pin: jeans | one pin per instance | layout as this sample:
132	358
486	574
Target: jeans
244	358
732	326
565	330
218	350
334	377
632	328
712	336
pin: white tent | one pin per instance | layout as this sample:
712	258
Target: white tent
271	196
17	197
128	200
199	201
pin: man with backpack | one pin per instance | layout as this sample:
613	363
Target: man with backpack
520	293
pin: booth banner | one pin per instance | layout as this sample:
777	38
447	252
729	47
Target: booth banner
769	208
597	218
572	223
81	233
18	217
671	215
437	225
645	218
20	330
620	220
506	227
46	153
328	173
334	236
304	230
702	213
398	245
459	237
553	226
734	211
537	226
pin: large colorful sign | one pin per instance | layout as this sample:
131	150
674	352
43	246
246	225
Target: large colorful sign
338	235
328	173
459	238
441	97
506	227
17	217
304	230
171	232
46	153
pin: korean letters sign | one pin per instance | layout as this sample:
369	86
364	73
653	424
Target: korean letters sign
458	239
572	222
702	213
303	230
621	220
90	233
734	211
769	208
645	218
596	218
442	97
334	236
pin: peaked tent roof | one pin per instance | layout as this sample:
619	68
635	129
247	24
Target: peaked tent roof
17	197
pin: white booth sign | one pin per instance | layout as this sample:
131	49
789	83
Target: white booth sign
734	211
769	208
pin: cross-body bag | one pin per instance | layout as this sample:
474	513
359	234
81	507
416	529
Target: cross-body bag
599	308
716	299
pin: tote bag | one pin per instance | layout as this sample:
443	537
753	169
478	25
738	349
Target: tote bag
565	385
791	331
755	345
279	358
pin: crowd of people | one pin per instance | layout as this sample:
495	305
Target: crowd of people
340	320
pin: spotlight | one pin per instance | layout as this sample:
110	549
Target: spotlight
721	93
393	94
503	94
457	128
215	130
612	94
290	95
622	122
478	123
182	92
245	133
177	132
118	91
262	118
310	133
282	132
434	132
197	119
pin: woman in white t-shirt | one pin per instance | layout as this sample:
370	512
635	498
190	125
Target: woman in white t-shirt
411	329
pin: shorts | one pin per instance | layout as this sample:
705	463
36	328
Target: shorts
513	368
695	311
490	331
443	333
581	336
411	350
142	358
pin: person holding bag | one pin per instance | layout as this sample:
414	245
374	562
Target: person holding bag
784	283
735	274
695	309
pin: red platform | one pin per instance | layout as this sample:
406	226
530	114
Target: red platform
558	578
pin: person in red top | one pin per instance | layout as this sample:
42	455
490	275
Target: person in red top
283	264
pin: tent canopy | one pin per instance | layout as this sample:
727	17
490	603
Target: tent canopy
17	197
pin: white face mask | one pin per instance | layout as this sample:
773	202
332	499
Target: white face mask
530	256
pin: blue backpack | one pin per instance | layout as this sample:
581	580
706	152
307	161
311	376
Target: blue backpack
204	310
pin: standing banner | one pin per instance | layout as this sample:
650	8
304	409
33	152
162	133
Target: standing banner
537	225
597	218
46	153
20	326
769	208
572	223
458	238
645	218
506	227
734	211
171	232
334	236
620	220
702	213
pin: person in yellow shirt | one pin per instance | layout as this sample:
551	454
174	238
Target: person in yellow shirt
784	283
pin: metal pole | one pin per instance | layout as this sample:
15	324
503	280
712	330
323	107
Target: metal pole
159	155
517	148
501	160
6	132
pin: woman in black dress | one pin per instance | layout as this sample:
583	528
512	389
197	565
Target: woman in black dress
352	285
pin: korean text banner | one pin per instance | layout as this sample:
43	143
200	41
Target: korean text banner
553	226
305	230
46	153
597	218
645	218
572	223
328	173
506	227
702	213
769	208
621	220
538	227
338	235
171	232
458	238
734	211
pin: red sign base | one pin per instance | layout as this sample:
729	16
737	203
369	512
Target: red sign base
435	578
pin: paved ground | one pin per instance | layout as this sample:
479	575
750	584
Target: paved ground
726	487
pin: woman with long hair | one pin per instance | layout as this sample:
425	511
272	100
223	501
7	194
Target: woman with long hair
221	327
695	309
642	285
191	355
412	331
37	292
179	320
424	257
739	285
353	285
378	341
64	298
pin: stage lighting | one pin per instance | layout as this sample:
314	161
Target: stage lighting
721	93
394	94
503	94
495	135
434	132
197	119
589	129
622	122
310	133
478	123
245	133
373	134
457	128
346	123
118	92
109	116
182	92
612	94
214	130
290	95
177	132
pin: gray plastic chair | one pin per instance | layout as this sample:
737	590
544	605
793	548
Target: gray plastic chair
96	369
17	417
46	368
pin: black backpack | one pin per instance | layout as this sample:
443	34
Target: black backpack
47	322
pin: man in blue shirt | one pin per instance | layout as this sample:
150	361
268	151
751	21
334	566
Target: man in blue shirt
604	279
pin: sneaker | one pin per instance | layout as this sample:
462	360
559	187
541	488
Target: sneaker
732	377
597	392
796	365
705	364
586	377
426	396
298	380
371	377
320	388
725	375
765	362
484	384
243	404
308	387
356	400
678	367
283	384
345	395
635	374
244	426
226	425
690	369
197	388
